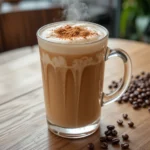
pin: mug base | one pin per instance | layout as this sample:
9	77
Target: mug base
74	133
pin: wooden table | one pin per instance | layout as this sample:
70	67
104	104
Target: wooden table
22	114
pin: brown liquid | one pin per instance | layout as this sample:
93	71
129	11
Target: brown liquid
73	88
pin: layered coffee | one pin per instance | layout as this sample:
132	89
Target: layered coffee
72	59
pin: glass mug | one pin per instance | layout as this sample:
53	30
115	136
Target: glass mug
73	77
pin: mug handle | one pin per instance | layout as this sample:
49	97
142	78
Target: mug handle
109	98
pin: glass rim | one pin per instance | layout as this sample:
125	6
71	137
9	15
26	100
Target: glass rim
74	44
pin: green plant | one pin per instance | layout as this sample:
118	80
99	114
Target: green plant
135	18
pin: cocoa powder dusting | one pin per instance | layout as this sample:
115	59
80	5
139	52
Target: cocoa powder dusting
68	32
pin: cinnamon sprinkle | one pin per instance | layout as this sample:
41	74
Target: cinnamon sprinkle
68	32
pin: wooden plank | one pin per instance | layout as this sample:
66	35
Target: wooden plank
15	54
20	76
23	126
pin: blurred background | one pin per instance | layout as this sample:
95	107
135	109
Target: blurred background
20	19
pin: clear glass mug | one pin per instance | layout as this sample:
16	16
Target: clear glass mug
73	77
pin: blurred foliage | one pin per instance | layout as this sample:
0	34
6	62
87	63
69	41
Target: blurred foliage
135	19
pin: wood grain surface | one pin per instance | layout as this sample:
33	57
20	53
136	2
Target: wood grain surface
22	113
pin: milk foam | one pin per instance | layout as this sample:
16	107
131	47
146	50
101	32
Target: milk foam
76	46
49	34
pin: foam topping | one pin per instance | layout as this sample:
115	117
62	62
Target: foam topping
72	33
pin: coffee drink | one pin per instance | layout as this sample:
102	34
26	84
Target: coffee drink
72	59
73	55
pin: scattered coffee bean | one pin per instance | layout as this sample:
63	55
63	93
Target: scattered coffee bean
134	103
137	76
114	82
131	100
125	116
138	92
148	93
115	141
125	136
104	145
131	124
144	105
135	106
120	122
108	132
103	139
125	98
109	138
115	85
142	73
147	101
140	101
110	87
119	101
114	133
110	127
90	146
125	146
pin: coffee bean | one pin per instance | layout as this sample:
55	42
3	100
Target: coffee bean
90	146
110	127
143	95
139	105
144	105
119	101
115	141
144	90
131	95
114	133
147	93
137	77
125	136
139	90
103	139
135	102
131	100
142	73
104	145
110	87
108	132
125	116
131	124
147	101
135	106
148	89
142	85
125	98
120	122
113	82
136	93
115	86
125	146
140	100
109	138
